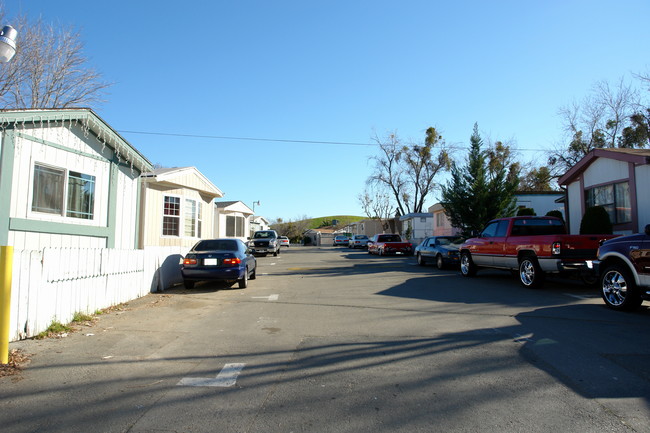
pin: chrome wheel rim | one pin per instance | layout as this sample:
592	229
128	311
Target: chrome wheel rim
464	264
527	272
614	288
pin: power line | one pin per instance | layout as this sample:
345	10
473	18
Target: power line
456	146
277	140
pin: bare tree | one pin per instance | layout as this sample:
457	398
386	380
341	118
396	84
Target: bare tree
598	121
409	172
49	69
377	204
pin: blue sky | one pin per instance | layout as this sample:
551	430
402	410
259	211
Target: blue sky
304	72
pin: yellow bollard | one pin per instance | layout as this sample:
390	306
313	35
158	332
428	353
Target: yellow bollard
6	265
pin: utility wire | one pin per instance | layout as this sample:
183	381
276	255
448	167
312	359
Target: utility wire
277	140
281	140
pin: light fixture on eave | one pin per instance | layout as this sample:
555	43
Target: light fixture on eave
7	43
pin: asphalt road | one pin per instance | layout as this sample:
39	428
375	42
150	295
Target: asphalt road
334	340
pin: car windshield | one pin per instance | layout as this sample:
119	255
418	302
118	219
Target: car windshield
263	235
390	238
361	237
216	245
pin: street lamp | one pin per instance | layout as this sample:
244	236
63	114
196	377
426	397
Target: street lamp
7	43
254	203
7	51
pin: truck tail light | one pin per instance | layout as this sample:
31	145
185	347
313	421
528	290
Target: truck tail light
556	248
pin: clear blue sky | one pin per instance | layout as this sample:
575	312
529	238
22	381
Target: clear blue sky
339	71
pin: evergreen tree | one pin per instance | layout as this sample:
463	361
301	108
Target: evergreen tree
481	190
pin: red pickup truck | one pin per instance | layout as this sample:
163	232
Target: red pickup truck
389	244
531	246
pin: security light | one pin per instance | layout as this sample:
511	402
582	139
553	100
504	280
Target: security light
7	43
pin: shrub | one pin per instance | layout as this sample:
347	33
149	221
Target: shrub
555	213
595	221
526	211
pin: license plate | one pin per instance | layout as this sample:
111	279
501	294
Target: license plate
210	262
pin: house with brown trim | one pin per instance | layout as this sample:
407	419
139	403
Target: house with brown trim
616	179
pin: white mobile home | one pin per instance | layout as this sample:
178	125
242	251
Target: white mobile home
177	207
67	179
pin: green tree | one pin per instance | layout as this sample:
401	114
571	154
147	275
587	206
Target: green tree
481	190
536	179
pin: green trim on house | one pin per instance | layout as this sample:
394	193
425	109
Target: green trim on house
6	176
112	204
64	148
36	226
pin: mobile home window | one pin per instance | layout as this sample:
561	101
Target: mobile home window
190	218
50	188
171	216
615	198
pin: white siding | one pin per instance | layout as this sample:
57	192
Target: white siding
605	170
575	210
85	154
642	174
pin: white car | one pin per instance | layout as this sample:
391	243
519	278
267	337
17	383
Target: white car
284	241
358	241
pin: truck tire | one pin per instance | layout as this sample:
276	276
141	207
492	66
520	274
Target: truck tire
467	266
618	289
530	274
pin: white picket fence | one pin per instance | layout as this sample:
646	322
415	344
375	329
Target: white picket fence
55	283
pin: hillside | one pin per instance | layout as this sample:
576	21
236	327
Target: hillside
343	220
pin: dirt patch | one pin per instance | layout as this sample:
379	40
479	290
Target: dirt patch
17	360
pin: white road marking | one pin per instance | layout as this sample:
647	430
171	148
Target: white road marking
226	377
268	298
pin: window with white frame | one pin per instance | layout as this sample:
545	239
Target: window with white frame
234	226
171	216
52	185
190	217
615	198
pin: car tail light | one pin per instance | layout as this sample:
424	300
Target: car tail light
189	261
232	262
556	248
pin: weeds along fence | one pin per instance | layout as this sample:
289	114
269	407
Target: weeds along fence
55	283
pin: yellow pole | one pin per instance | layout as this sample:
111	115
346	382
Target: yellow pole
6	265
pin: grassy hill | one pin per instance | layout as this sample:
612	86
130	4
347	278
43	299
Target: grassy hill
343	220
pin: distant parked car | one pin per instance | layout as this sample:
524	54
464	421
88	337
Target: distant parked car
284	241
623	266
228	260
341	240
441	250
358	241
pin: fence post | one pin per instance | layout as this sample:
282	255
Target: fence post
6	269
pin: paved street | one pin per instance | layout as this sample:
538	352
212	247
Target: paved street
334	340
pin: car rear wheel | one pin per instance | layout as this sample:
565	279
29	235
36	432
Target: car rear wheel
467	266
253	275
530	274
421	260
243	281
440	264
619	290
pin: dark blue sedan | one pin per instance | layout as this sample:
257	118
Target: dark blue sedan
441	250
228	260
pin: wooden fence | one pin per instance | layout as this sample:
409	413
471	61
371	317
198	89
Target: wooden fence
55	283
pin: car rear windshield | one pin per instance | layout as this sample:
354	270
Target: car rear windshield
390	238
533	227
216	245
